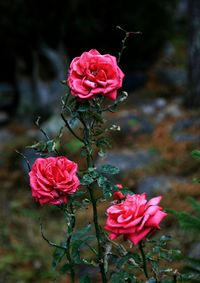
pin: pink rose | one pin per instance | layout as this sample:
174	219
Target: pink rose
118	195
93	73
53	179
134	218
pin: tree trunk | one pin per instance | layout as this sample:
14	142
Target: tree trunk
194	53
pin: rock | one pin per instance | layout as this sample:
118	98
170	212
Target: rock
173	77
6	136
4	117
173	110
186	123
181	10
41	90
154	185
186	137
148	109
132	124
160	102
128	160
179	130
7	93
53	125
194	251
168	51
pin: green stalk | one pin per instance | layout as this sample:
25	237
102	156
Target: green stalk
144	260
70	230
87	142
97	228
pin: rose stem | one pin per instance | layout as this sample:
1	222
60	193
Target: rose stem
88	146
70	129
144	259
127	34
70	230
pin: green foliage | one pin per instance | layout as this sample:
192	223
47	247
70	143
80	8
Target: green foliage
57	256
45	147
109	169
107	187
196	154
189	220
85	279
120	277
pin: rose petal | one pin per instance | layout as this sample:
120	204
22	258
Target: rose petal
137	237
155	220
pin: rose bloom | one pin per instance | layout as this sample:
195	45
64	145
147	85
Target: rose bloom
93	73
53	179
118	195
134	218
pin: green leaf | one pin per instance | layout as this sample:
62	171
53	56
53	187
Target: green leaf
57	256
75	251
85	279
195	204
196	154
122	277
97	117
101	181
107	187
196	180
49	146
151	280
65	268
101	153
86	180
193	264
93	172
74	145
76	248
81	232
83	107
165	238
107	190
133	259
109	169
103	143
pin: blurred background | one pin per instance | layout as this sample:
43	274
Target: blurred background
160	122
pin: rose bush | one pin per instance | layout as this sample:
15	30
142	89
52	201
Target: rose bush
53	179
93	73
134	218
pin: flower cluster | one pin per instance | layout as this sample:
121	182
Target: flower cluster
54	180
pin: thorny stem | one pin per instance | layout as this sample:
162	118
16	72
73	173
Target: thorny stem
49	242
68	254
127	34
144	260
70	129
175	276
68	243
26	160
87	142
97	230
37	123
